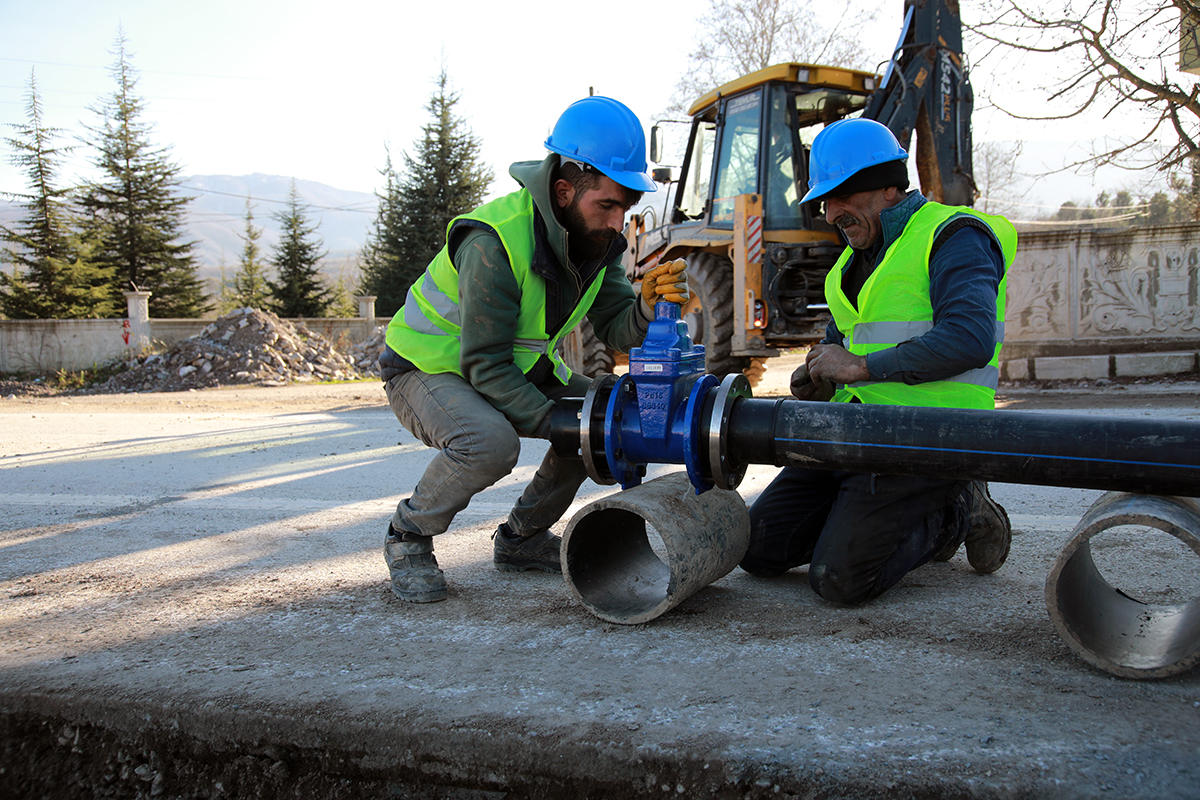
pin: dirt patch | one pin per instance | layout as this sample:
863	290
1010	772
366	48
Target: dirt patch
37	387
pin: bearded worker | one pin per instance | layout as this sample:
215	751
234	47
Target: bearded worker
471	363
917	300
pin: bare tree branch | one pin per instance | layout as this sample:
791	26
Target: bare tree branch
1120	50
737	37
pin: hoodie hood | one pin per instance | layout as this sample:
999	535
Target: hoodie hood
535	177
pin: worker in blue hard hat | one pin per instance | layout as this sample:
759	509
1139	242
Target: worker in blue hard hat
917	304
471	361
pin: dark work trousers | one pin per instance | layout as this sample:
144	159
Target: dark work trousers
859	533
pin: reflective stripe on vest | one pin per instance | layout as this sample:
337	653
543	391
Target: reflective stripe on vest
427	329
899	289
442	303
892	333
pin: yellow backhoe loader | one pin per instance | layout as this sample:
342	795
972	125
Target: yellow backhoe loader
757	259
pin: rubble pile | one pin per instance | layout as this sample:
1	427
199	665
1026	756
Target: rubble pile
365	355
247	346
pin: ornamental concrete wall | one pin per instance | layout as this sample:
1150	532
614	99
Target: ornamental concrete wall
1074	293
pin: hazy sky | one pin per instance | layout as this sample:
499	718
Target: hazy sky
314	90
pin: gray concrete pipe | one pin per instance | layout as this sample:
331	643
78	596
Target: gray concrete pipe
612	567
1103	625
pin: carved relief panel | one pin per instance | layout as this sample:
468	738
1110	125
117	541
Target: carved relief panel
1036	307
1145	288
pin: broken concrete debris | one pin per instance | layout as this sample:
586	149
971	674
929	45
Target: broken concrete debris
365	355
244	347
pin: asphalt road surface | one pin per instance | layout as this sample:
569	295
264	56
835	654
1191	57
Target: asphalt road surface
193	603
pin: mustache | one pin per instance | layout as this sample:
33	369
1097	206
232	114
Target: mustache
845	220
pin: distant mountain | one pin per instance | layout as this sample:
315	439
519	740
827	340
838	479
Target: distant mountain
216	219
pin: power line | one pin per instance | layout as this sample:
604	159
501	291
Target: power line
1078	222
352	209
139	71
1060	205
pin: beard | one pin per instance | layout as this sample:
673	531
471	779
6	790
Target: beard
585	244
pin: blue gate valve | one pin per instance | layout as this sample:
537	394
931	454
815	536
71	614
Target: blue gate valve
653	412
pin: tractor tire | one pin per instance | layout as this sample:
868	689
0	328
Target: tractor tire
586	354
709	314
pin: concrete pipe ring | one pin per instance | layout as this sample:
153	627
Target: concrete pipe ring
618	573
1109	628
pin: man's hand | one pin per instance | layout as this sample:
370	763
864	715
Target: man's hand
836	364
666	282
805	388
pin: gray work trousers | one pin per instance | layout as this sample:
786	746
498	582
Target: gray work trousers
477	446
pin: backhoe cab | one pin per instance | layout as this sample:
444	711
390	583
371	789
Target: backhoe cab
757	259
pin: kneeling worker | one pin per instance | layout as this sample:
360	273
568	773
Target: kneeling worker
470	363
918	311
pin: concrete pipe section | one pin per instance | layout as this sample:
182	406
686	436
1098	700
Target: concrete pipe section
632	556
1107	627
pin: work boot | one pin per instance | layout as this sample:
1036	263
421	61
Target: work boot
513	553
989	533
415	574
951	550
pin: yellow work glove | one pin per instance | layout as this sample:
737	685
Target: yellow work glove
666	282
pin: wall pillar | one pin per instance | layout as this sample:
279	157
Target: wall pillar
366	309
136	328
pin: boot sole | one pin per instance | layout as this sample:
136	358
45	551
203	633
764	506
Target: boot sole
527	568
987	567
422	597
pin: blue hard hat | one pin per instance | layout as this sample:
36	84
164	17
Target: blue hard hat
846	147
603	133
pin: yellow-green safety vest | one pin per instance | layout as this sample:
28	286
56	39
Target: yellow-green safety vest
428	327
894	306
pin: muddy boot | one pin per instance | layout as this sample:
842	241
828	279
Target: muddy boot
956	526
517	554
989	533
949	551
415	574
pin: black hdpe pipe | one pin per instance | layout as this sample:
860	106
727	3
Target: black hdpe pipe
1148	456
1122	454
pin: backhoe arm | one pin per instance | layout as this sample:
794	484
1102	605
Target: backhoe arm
926	91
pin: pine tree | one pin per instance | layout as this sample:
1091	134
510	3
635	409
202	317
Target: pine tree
134	210
342	302
381	270
53	276
300	292
250	286
446	178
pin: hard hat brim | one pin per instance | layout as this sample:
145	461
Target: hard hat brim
630	179
828	188
638	181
